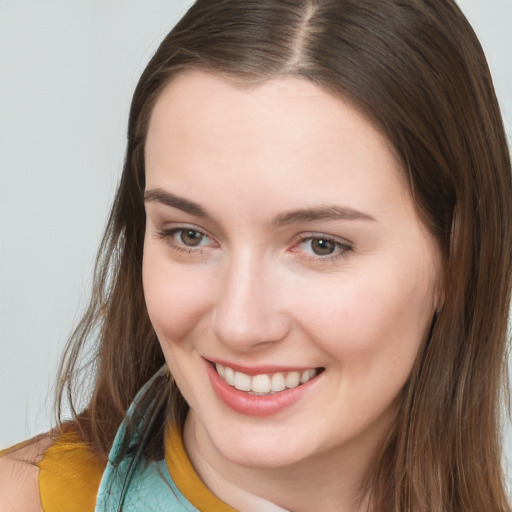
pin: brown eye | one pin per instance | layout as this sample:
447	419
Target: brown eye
190	237
322	246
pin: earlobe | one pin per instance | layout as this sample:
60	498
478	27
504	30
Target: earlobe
440	298
440	282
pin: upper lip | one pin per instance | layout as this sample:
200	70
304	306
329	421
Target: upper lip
260	369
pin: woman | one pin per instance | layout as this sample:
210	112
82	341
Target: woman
304	285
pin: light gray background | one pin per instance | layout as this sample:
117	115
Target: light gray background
67	72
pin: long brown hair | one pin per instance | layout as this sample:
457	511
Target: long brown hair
416	69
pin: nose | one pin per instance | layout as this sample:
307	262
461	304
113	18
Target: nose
249	310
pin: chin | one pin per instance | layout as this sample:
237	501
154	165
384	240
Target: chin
263	446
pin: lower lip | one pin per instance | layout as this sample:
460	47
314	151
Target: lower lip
253	405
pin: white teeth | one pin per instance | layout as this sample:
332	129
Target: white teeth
292	380
242	381
229	375
277	382
307	375
220	369
264	384
260	384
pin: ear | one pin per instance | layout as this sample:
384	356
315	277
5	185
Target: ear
439	298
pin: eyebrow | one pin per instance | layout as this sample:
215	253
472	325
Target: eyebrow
160	196
319	213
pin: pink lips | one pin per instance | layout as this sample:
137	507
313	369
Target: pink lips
252	405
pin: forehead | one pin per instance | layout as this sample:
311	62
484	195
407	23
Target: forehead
200	98
285	133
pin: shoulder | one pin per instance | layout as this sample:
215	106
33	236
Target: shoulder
69	474
50	473
19	488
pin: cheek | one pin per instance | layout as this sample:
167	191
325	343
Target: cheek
372	321
176	299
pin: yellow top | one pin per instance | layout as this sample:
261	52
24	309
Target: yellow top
70	474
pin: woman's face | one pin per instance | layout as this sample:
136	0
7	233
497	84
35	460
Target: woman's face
282	245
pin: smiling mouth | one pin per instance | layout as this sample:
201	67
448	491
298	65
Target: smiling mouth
267	383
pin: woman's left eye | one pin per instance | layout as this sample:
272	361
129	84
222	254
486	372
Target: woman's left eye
322	247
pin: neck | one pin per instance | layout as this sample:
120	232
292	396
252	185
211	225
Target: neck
331	482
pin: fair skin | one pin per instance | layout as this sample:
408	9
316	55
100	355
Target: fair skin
19	490
281	241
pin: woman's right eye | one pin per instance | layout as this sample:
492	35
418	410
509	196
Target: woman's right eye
190	237
186	239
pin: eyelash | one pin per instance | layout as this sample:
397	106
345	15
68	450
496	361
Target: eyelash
340	248
168	236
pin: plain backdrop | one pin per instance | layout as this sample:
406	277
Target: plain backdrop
67	72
